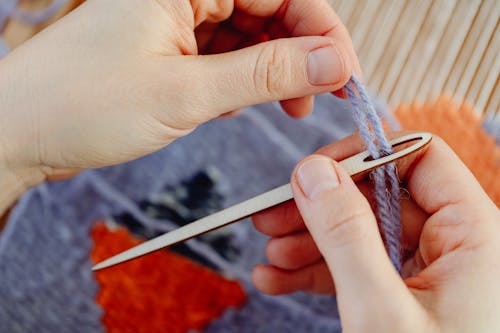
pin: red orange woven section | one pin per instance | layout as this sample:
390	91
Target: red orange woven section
160	292
461	128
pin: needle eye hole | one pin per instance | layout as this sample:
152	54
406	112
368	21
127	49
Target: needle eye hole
396	147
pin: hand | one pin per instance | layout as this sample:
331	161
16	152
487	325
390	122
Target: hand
116	80
327	241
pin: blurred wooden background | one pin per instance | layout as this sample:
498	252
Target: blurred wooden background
415	50
410	50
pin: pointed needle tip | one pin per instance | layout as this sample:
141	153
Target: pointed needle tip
99	266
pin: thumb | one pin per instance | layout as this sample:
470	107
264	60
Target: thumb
280	69
344	228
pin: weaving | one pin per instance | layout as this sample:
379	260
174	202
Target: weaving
58	230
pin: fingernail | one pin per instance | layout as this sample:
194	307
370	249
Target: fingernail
316	176
325	66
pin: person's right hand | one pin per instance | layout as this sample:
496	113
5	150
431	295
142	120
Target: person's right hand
451	235
116	80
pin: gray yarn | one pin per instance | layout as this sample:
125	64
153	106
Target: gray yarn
385	178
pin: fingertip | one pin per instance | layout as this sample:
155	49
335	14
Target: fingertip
278	221
263	277
278	254
437	178
315	278
305	160
298	107
270	250
346	180
313	177
264	222
232	114
275	281
293	251
340	93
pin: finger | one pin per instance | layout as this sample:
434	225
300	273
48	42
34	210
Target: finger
248	24
204	35
439	178
283	219
280	220
276	30
211	11
56	174
298	107
345	230
224	40
413	217
461	211
252	40
232	114
292	251
435	167
340	93
276	70
315	279
306	18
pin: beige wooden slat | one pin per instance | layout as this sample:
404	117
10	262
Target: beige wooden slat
423	49
485	78
471	53
400	45
364	21
356	11
345	9
451	42
374	48
493	105
334	4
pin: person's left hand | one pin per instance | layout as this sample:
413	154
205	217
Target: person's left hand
327	241
116	80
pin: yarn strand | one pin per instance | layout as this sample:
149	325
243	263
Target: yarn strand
385	179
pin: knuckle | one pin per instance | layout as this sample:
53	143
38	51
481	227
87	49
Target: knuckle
348	227
249	5
270	71
437	141
211	10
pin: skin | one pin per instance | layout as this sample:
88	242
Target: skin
330	244
116	80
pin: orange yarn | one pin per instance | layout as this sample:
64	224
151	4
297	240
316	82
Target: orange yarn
461	128
160	292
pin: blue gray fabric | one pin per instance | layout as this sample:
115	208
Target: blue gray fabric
47	285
